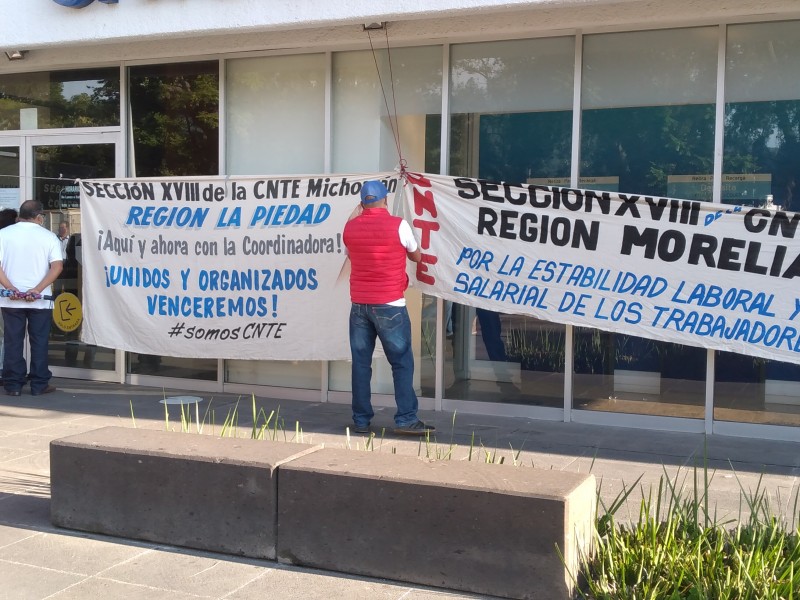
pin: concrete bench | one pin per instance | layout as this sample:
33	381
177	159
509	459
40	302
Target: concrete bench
175	488
487	529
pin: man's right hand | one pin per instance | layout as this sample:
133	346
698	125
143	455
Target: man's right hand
356	212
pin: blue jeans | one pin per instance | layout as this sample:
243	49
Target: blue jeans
15	321
393	327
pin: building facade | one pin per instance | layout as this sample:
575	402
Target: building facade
668	98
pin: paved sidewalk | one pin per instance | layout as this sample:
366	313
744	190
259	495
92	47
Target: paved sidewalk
38	561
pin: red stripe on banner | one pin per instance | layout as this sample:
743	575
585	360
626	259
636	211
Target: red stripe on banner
424	203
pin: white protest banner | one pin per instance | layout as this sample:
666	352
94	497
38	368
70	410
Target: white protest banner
237	267
697	273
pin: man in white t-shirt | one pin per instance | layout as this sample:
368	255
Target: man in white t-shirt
30	261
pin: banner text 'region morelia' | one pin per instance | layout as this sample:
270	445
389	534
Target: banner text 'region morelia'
682	271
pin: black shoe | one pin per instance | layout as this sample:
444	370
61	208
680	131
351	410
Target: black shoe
48	390
418	428
12	392
360	428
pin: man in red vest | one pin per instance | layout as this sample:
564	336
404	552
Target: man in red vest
378	245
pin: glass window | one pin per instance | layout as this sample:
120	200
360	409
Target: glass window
762	115
762	162
9	177
378	108
511	121
174	112
276	115
276	125
375	110
55	99
648	110
504	95
306	374
57	167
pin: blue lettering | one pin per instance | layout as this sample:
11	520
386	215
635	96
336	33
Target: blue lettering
81	3
163	216
462	283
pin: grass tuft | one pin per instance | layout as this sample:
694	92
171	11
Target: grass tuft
677	549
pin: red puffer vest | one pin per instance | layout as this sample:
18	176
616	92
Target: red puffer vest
377	257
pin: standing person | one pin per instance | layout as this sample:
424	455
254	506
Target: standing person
30	261
378	245
63	237
8	216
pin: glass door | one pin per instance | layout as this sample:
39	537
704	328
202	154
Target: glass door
53	163
10	177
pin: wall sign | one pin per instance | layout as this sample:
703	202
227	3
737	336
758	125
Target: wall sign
82	3
750	189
